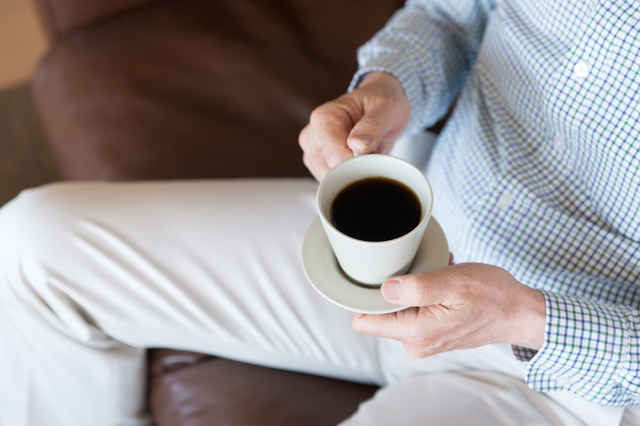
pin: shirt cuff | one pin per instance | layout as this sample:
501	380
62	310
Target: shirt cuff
402	69
523	354
584	350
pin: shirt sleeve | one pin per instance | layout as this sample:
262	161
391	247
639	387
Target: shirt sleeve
430	47
590	348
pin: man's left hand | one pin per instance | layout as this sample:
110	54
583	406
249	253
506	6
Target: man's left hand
459	307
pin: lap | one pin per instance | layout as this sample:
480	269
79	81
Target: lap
94	269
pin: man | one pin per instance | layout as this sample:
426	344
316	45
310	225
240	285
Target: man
537	172
536	181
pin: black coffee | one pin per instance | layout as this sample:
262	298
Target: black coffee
375	209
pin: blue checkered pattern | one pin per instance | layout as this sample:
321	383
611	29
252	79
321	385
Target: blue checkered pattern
538	170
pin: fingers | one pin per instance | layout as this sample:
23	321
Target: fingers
385	115
372	129
323	140
411	290
458	307
369	119
332	123
420	289
406	326
312	157
398	325
441	287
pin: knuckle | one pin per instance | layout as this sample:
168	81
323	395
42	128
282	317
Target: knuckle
422	293
415	291
303	138
421	342
320	114
306	160
417	340
382	99
333	121
333	158
437	343
414	352
369	122
303	143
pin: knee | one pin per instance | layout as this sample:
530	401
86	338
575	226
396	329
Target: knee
36	216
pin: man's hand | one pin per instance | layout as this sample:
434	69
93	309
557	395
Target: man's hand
369	119
458	307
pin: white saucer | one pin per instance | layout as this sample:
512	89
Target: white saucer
325	275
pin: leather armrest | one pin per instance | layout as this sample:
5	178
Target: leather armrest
193	389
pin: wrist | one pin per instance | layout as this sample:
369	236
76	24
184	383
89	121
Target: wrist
530	321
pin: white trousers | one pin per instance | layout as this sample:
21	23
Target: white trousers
91	274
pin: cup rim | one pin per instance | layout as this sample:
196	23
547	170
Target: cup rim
423	221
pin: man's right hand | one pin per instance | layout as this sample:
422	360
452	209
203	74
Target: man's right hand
369	119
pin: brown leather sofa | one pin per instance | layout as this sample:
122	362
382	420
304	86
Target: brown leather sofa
183	89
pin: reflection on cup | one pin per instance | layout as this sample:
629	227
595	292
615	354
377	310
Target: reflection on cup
378	246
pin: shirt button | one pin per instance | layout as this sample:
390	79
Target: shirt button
505	201
563	381
581	69
558	143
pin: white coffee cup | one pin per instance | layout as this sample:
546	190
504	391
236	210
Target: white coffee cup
365	261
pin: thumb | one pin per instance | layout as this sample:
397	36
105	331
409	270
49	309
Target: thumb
375	126
413	290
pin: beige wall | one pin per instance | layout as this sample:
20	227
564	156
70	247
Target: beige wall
22	41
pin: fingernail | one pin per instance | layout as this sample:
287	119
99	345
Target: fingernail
363	137
392	290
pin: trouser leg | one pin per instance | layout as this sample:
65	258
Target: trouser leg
476	398
93	273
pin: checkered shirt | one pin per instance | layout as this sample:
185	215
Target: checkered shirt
538	170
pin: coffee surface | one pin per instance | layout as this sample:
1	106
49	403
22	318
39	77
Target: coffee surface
375	209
